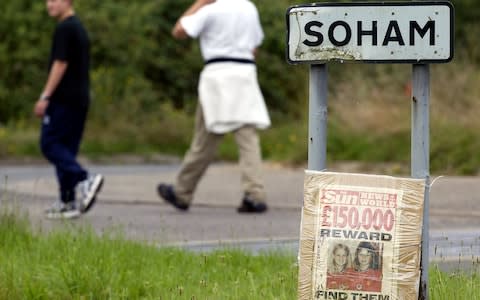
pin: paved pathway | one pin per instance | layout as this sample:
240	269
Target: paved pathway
129	202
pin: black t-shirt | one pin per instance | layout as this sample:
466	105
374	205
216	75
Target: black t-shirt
71	45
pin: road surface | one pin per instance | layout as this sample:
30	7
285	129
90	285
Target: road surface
129	203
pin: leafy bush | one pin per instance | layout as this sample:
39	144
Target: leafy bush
144	87
130	39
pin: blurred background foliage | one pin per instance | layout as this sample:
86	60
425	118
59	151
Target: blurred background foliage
130	39
144	88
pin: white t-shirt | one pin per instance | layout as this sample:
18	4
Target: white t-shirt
226	28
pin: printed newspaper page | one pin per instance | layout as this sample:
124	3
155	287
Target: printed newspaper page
361	237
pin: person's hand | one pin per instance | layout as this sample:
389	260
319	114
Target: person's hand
41	108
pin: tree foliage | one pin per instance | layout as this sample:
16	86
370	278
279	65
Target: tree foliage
132	46
131	43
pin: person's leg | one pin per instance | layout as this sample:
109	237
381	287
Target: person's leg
66	195
201	153
78	117
74	139
251	165
88	185
61	130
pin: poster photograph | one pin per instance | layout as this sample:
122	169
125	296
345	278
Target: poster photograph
356	267
361	237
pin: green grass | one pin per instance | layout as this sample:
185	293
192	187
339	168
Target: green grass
453	149
79	264
457	286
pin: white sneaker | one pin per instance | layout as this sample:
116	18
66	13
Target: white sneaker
60	210
89	188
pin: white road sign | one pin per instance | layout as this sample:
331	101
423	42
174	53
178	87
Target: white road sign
403	32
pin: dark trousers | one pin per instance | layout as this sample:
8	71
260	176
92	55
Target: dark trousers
62	131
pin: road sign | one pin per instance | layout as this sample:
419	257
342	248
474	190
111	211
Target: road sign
404	32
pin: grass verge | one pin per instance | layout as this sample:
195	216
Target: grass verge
72	264
453	286
453	149
78	264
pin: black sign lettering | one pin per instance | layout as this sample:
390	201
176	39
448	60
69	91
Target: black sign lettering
361	33
309	30
393	26
331	295
414	27
331	33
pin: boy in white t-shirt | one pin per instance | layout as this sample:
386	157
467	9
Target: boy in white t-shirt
230	98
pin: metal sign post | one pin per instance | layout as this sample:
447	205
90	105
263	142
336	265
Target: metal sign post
417	32
318	111
421	155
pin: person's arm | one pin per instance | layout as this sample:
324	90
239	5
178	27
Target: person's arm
56	74
178	31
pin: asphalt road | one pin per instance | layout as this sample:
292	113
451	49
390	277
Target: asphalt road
129	203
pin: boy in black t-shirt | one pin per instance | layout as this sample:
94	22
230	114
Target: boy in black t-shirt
63	106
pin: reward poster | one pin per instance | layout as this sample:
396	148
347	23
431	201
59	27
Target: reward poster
361	237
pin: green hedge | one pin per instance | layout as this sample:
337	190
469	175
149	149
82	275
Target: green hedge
144	88
131	44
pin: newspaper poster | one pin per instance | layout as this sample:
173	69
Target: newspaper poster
360	237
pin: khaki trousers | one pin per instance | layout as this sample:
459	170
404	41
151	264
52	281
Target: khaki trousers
202	152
